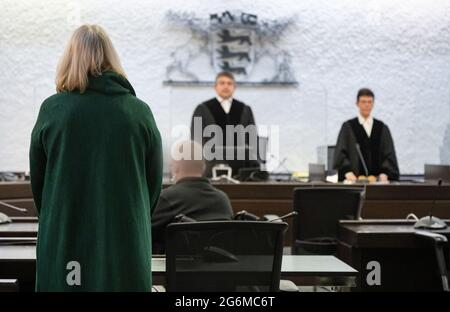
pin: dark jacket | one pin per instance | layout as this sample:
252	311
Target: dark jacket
194	197
212	113
378	151
95	162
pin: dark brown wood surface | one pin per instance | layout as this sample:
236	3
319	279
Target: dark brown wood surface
392	201
407	261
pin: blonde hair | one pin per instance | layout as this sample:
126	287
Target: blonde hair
89	51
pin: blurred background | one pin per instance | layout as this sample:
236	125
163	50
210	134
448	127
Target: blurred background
399	49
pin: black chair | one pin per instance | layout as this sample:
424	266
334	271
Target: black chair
439	243
224	256
319	210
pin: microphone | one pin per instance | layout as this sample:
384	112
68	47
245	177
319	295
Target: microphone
434	199
361	158
12	207
430	222
286	216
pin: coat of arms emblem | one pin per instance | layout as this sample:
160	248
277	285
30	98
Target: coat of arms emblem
235	42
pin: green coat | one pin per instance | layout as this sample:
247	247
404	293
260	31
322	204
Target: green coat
96	174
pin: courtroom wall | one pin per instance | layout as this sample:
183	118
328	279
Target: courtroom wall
400	49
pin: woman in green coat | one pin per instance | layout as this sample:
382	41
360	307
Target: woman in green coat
96	171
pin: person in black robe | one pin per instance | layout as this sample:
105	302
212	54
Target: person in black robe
374	141
223	110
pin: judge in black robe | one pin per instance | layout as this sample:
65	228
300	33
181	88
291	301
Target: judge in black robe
224	110
374	140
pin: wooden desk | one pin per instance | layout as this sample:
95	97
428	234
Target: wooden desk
20	227
382	201
392	201
408	262
20	262
396	201
17	194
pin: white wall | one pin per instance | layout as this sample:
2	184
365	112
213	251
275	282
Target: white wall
401	49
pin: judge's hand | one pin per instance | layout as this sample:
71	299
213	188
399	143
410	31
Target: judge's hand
383	178
350	176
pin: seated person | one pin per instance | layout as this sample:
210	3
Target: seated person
191	195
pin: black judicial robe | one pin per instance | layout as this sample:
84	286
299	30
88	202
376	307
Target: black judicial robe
212	113
378	150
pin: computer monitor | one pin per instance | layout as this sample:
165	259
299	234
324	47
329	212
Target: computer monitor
317	172
436	172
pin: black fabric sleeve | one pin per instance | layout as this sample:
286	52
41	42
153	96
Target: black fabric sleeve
198	112
342	154
389	165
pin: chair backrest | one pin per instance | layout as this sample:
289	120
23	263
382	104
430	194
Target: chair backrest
320	208
436	172
224	256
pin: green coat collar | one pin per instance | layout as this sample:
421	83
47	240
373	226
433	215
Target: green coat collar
110	83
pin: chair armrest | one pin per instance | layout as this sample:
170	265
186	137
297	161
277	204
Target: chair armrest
438	241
